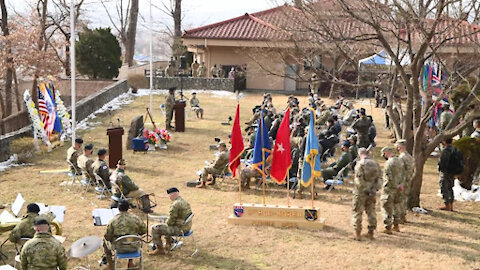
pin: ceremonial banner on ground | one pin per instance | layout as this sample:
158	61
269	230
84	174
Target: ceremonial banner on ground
236	144
311	160
281	157
262	148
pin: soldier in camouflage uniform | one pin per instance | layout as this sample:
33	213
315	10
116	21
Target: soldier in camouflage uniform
408	164
325	113
72	155
194	67
445	117
169	103
100	168
24	229
121	224
129	188
43	251
178	213
202	70
85	163
368	179
217	167
361	126
393	178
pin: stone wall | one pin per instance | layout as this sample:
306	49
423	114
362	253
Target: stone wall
84	108
188	83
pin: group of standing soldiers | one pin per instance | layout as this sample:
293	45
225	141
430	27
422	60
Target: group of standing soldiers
395	183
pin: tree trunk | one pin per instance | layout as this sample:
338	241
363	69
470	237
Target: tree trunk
19	98
416	185
177	29
131	33
66	63
8	61
2	104
333	89
41	46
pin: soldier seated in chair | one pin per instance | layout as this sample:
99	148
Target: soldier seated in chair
216	167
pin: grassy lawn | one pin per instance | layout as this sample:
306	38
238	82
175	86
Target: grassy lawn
439	240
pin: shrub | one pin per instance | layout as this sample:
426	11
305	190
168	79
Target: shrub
137	81
24	148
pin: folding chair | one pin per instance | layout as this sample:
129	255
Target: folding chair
101	189
338	179
20	243
76	172
3	257
224	174
179	238
128	247
115	198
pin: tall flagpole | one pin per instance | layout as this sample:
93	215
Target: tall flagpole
263	156
288	188
151	59
72	69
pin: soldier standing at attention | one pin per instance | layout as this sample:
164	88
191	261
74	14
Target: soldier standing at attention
121	224
368	179
85	163
179	211
43	251
393	178
169	103
361	126
408	164
217	166
72	155
214	71
194	67
100	168
202	70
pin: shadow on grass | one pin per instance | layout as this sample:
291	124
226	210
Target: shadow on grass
209	260
462	217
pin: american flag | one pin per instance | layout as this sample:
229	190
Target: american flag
46	108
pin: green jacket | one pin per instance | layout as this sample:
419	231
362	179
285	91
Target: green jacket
124	224
24	229
100	168
125	183
43	252
179	211
343	161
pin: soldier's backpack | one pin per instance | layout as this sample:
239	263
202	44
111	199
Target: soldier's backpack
455	162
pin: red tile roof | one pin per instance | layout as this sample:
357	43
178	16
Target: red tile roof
454	32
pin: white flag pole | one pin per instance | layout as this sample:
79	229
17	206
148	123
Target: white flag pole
151	58
72	68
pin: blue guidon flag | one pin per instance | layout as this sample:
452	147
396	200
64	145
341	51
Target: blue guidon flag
238	210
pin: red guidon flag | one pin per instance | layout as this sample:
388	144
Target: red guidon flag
281	159
236	144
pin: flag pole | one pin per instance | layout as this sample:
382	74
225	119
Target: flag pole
288	188
239	186
72	69
312	184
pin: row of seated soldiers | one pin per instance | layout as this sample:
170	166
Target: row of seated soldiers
97	173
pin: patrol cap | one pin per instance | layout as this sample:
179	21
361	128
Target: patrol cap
353	137
222	144
386	149
88	146
101	152
33	208
79	140
172	189
40	221
400	142
346	143
121	162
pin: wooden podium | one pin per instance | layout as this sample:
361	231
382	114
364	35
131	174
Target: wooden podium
114	146
276	216
179	108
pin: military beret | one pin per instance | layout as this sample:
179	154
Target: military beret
353	137
101	152
172	189
121	162
79	140
194	93
172	88
123	205
40	221
222	144
346	143
33	208
400	142
386	149
89	146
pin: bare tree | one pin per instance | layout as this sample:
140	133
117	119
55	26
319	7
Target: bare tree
7	106
173	8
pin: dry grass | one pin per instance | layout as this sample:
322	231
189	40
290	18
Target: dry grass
439	240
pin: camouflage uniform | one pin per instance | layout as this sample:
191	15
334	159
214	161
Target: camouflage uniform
128	187
201	71
368	177
324	115
194	67
408	163
86	164
445	118
214	72
217	167
120	225
72	156
179	211
169	71
169	103
100	168
43	252
361	126
393	175
24	229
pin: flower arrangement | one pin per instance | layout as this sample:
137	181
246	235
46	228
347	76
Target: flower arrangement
152	139
38	128
163	134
